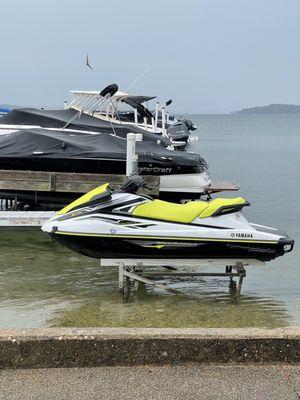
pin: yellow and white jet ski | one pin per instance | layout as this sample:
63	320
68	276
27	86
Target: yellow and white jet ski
126	224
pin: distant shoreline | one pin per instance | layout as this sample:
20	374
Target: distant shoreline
271	109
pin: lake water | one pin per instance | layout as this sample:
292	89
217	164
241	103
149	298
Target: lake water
43	284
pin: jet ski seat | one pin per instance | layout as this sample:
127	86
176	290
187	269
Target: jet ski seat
186	213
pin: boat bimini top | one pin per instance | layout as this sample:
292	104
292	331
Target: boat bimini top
125	224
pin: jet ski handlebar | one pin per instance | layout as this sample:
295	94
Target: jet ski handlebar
132	184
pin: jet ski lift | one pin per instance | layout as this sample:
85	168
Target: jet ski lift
133	271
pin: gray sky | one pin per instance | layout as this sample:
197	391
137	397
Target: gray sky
207	55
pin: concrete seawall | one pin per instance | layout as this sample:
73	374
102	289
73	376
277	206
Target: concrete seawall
91	347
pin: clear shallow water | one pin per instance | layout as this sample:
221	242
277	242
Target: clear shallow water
42	284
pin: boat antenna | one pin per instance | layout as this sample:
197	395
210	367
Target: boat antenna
87	63
138	78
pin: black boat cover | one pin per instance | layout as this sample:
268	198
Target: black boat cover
84	122
44	143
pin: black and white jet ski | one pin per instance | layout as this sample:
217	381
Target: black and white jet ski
124	223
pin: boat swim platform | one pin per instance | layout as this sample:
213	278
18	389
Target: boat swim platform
24	218
133	271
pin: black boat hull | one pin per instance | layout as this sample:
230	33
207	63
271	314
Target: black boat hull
44	150
147	166
113	247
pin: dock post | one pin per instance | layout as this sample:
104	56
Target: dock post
138	270
240	269
138	138
121	277
131	156
130	153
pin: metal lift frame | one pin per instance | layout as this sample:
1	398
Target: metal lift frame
134	270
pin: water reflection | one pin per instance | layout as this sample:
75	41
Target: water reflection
41	284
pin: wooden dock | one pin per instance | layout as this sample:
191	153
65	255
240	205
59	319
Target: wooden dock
32	187
43	181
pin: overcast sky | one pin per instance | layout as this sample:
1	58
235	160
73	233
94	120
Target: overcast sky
207	55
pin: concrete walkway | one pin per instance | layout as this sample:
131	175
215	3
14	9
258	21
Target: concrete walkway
151	382
103	347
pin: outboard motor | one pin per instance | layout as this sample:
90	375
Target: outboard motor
189	124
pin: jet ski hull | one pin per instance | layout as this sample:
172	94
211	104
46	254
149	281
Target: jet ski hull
118	247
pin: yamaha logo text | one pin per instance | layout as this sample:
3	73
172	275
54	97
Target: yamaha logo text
242	235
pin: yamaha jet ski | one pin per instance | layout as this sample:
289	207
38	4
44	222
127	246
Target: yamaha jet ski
127	224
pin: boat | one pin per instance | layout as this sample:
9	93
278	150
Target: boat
182	174
128	224
99	112
69	120
4	109
158	121
81	139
